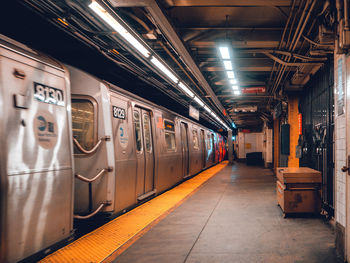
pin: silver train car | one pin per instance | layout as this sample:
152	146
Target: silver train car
74	146
36	159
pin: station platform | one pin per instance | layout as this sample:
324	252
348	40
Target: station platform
230	215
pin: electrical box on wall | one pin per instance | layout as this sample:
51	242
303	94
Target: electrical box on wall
285	128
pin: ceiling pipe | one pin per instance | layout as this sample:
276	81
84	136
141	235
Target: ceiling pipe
282	69
286	43
295	40
317	44
283	35
292	64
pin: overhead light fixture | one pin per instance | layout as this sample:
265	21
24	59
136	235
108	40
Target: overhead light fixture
128	35
198	101
233	81
186	90
207	109
230	74
164	69
237	92
225	54
101	12
235	87
228	64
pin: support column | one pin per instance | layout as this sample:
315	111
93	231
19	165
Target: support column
230	146
293	112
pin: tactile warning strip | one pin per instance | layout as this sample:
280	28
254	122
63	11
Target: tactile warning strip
105	243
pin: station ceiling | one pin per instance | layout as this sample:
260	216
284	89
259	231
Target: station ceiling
276	45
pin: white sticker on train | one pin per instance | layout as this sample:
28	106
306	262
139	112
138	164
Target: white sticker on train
123	135
45	129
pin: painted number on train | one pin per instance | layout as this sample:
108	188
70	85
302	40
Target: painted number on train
118	113
48	94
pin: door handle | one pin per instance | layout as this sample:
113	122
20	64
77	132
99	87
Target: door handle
344	169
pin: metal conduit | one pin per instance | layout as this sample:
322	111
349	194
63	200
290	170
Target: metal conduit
300	28
282	68
282	38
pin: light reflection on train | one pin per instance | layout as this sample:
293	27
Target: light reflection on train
124	150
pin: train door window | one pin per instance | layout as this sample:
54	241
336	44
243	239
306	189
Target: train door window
138	135
169	135
208	142
83	123
147	132
195	139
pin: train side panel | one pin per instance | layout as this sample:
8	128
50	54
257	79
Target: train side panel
195	149
36	158
170	165
91	118
125	153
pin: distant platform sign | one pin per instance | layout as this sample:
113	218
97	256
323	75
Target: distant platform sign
251	90
194	113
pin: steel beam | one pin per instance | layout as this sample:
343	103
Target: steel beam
168	30
229	3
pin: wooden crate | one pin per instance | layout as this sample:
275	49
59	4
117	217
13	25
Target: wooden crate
298	190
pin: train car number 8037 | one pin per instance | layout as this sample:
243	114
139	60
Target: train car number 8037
48	94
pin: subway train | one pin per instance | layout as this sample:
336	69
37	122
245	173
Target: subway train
74	146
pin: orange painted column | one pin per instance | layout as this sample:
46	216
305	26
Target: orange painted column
276	143
294	130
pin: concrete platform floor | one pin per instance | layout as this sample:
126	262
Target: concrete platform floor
234	218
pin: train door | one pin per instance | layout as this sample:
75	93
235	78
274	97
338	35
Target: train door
213	147
185	154
203	148
144	153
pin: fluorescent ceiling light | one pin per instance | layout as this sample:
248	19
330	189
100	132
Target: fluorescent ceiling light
233	81
101	12
186	89
235	87
237	92
225	54
228	64
207	109
164	69
198	101
230	74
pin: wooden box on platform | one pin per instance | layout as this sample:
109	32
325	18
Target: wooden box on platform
299	190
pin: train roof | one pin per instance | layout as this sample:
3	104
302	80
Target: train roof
19	48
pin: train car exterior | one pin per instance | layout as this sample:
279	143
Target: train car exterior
36	179
73	145
149	149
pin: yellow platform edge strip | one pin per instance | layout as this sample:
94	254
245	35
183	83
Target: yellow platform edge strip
108	241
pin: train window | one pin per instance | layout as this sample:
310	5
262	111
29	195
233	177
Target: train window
208	142
83	118
195	139
170	135
147	132
138	135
